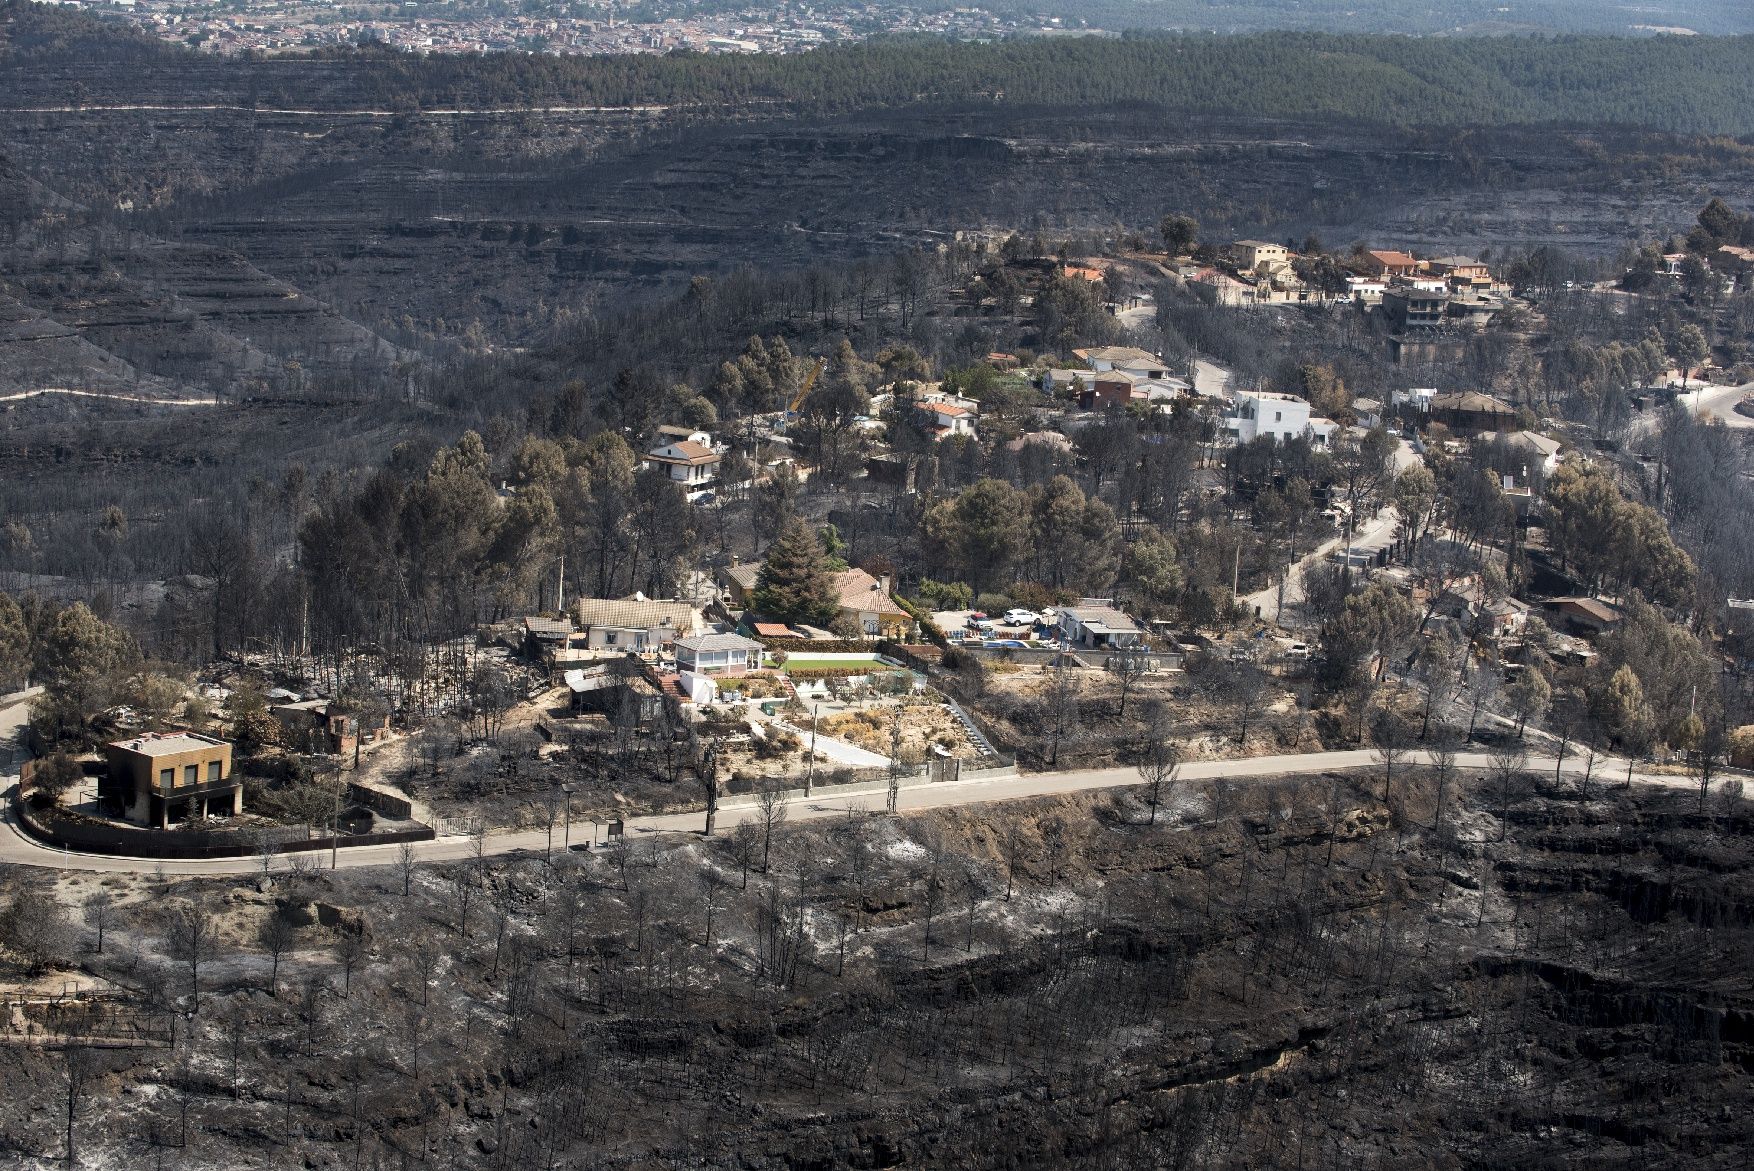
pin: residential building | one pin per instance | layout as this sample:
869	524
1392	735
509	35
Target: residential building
1469	605
691	460
1369	412
946	420
866	601
717	654
545	637
1260	258
1281	417
1586	616
1095	624
1463	267
1366	290
1541	452
319	725
1104	358
1389	263
632	624
1113	389
1471	410
165	777
739	581
1408	308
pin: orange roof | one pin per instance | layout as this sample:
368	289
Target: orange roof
860	591
948	410
775	630
688	452
1394	259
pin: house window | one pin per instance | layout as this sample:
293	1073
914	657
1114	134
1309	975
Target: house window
608	638
191	774
1278	416
167	778
213	770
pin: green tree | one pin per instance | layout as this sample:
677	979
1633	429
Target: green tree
14	645
794	584
82	662
1154	567
1179	233
984	532
1690	349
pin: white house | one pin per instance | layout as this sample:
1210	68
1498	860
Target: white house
690	458
1095	624
1281	417
945	418
717	654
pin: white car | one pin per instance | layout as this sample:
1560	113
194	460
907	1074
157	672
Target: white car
1020	618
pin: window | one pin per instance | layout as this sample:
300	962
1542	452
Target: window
609	638
191	774
167	778
1278	416
213	770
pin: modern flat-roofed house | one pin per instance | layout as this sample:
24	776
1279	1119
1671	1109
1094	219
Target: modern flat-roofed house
633	624
1110	389
176	773
717	654
1410	308
1098	626
1280	417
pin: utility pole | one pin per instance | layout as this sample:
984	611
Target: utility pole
810	769
566	834
335	827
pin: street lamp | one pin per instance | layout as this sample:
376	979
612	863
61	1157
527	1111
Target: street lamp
566	836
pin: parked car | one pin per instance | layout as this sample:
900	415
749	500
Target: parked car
1019	617
1297	650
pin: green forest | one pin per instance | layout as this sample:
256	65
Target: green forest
1702	85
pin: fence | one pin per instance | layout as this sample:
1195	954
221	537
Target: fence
55	829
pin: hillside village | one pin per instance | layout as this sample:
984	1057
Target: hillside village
1115	656
1039	559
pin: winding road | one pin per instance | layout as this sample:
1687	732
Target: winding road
18	849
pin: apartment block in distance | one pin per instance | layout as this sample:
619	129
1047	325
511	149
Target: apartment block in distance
168	776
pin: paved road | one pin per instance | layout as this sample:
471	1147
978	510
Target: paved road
1718	403
17	849
1376	533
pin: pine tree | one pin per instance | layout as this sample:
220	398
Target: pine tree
795	584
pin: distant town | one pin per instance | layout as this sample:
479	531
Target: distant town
580	27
